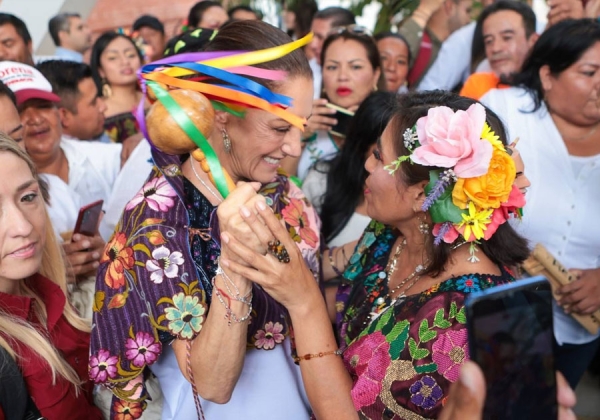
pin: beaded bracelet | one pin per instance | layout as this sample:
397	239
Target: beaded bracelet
229	315
309	356
333	266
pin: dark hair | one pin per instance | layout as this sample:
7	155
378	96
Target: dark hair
304	10
346	172
252	35
99	47
366	41
389	34
149	21
234	9
65	76
6	91
559	47
506	247
59	23
478	46
338	16
20	27
198	9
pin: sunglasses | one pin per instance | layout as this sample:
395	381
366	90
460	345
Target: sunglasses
353	29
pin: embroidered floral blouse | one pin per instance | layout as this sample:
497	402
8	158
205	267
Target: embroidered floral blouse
154	279
403	362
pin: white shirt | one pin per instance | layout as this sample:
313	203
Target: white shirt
64	204
269	388
130	180
320	147
317	77
563	208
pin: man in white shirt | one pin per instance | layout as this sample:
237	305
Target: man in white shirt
71	36
78	172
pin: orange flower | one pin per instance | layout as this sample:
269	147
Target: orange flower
125	410
120	258
294	215
156	237
490	190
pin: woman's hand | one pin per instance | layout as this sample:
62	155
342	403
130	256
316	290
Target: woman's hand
292	284
320	118
582	296
467	396
244	196
82	255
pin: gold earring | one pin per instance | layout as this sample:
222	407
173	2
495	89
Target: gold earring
423	225
226	141
106	89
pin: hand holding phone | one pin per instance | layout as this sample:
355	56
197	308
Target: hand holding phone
89	218
322	118
511	337
343	117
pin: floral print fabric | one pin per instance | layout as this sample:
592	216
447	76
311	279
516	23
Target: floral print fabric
154	280
402	362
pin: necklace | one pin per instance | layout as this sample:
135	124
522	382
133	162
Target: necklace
219	199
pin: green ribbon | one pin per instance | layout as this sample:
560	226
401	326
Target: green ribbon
194	134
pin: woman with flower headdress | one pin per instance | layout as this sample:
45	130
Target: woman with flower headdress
219	345
440	189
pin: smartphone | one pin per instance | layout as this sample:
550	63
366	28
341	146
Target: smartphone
343	117
511	337
89	218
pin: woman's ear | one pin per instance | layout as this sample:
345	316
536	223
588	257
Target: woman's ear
419	194
222	118
545	78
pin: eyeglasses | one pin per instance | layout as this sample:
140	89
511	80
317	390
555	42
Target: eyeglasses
353	29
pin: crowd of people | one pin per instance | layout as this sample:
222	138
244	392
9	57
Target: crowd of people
380	179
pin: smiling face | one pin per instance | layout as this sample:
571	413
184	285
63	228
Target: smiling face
394	61
22	222
505	41
260	140
119	62
42	130
348	76
581	84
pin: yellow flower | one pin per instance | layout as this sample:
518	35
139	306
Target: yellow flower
474	223
490	136
489	190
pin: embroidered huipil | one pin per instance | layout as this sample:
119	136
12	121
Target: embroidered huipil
402	362
55	401
154	282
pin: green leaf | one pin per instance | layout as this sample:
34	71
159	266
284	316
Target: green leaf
443	209
415	352
425	334
461	317
382	321
397	338
453	310
428	368
440	321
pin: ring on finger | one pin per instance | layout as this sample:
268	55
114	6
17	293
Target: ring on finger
278	250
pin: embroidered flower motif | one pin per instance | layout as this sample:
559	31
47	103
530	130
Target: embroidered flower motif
164	263
294	215
425	392
367	359
126	410
271	335
143	350
157	192
120	258
468	285
453	140
450	351
102	366
186	317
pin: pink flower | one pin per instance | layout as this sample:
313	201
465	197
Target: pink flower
143	350
164	263
450	235
453	140
369	359
157	192
450	351
516	200
271	335
102	366
294	215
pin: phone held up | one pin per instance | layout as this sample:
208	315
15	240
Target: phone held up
511	337
343	117
89	218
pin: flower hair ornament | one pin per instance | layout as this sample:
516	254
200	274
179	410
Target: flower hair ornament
470	192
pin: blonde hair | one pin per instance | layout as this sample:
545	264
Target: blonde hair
15	329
